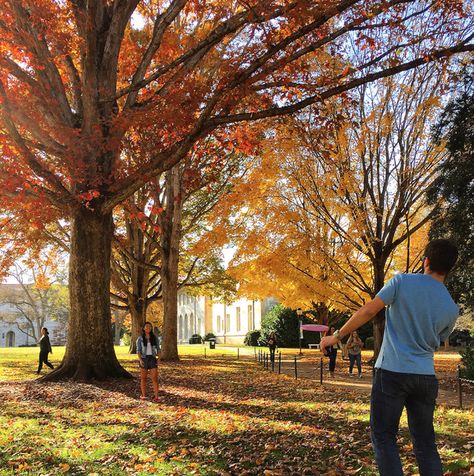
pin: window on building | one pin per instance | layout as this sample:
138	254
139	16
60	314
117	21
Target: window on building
250	317
227	322
10	339
237	319
218	323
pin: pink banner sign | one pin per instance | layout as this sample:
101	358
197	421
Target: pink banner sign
314	328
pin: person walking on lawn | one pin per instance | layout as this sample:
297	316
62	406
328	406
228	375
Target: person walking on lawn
148	351
332	353
45	349
420	315
272	345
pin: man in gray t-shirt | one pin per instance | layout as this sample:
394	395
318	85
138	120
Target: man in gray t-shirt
420	314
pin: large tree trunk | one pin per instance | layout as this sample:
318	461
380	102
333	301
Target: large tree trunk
169	278
89	351
378	325
118	328
119	319
170	241
323	313
378	322
138	318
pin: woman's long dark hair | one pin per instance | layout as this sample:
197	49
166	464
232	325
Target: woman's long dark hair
152	334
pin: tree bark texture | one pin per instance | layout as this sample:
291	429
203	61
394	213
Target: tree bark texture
89	351
379	320
170	241
138	319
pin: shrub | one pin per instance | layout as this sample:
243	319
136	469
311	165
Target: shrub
126	339
460	337
195	339
252	338
467	359
209	335
369	343
284	322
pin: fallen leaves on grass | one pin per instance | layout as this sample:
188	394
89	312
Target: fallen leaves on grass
215	417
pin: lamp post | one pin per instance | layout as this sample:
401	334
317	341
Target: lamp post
299	311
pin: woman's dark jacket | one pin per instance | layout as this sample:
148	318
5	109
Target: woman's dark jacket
45	345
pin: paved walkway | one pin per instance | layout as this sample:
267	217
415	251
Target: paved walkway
310	368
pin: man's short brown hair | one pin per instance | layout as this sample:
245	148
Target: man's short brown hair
442	254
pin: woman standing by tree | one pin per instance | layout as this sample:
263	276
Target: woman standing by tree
354	348
148	351
45	349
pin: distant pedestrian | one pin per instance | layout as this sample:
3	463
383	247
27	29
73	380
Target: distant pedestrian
331	352
148	351
354	349
45	349
272	345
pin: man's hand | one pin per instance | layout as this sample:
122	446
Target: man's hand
358	319
328	341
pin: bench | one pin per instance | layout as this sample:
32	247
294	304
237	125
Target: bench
315	346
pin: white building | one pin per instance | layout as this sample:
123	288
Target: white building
191	316
13	324
196	315
228	322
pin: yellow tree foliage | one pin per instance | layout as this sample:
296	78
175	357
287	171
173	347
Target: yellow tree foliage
334	204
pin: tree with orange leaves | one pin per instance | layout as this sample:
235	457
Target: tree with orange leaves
154	237
339	204
78	75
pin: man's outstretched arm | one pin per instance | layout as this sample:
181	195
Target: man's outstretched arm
358	319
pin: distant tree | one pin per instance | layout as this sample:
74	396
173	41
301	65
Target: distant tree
41	296
337	202
454	186
155	249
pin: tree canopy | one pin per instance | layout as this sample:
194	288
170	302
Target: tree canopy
80	79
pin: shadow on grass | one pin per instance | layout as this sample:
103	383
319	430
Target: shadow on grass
213	413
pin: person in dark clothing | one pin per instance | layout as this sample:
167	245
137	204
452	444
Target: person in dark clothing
272	345
331	352
45	349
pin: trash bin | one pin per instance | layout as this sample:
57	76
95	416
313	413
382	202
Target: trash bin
212	343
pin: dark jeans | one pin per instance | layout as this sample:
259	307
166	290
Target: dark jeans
43	358
353	359
272	353
391	392
332	354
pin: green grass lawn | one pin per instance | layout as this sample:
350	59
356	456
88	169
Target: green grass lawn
217	416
